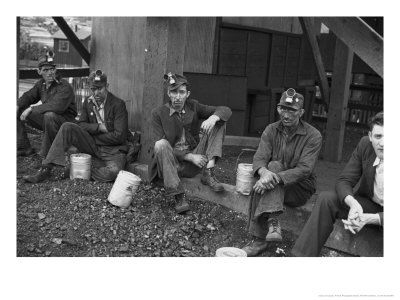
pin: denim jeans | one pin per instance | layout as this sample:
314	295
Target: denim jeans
273	201
171	170
106	164
48	122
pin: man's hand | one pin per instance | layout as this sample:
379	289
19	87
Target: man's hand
209	124
355	226
356	209
103	128
259	188
197	159
268	179
25	114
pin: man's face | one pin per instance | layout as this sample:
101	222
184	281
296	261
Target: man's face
48	73
376	138
99	93
178	97
290	117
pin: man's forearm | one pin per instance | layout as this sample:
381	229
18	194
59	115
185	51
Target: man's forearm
350	201
372	219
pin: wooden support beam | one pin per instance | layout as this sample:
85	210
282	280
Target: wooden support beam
307	24
360	38
73	39
340	89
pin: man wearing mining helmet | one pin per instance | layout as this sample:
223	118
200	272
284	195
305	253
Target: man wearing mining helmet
284	165
57	107
178	149
102	132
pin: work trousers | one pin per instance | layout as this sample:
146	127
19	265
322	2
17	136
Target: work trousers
171	170
48	122
105	164
273	201
322	219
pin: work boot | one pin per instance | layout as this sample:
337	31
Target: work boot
255	247
208	178
274	230
181	204
25	151
43	173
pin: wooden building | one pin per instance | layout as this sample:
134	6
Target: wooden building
66	55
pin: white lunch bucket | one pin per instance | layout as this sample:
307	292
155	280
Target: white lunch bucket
80	166
230	252
124	188
244	179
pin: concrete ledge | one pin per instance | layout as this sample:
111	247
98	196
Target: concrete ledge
368	242
229	198
245	141
140	170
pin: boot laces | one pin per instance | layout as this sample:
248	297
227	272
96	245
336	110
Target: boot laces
274	224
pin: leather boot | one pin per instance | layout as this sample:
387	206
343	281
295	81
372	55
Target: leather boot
181	204
43	173
255	247
274	230
208	178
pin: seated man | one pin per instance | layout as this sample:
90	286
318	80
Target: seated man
102	132
363	207
284	162
58	106
178	150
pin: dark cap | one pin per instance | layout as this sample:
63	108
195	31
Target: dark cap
173	81
291	99
47	59
97	79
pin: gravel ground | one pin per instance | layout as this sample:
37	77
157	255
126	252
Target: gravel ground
63	217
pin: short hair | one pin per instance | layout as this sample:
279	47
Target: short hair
376	120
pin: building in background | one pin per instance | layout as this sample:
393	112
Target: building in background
66	54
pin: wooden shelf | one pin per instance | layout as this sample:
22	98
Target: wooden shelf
365	87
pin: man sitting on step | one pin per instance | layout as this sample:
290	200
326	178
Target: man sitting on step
102	132
356	209
46	106
284	163
178	149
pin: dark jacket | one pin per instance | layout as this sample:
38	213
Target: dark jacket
116	119
359	169
170	128
298	153
58	98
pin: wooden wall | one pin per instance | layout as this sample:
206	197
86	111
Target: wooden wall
118	48
199	49
284	24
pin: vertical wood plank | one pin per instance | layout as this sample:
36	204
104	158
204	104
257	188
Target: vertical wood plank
199	48
336	123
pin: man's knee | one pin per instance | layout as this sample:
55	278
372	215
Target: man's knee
275	166
161	145
50	116
327	198
69	127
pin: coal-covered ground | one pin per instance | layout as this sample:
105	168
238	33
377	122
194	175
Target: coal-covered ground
63	218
